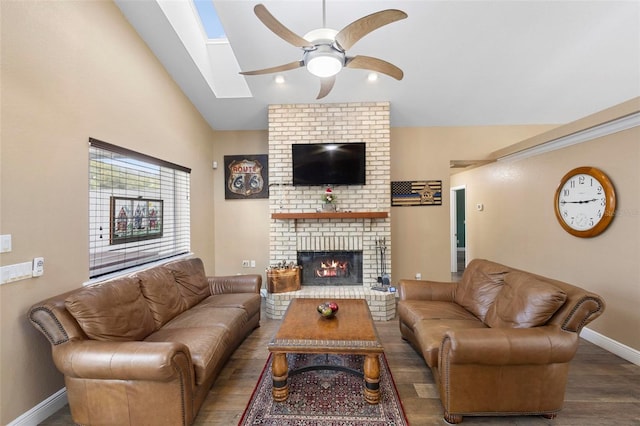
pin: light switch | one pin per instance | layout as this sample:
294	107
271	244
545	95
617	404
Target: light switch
5	243
15	272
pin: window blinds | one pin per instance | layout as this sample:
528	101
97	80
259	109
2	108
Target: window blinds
139	209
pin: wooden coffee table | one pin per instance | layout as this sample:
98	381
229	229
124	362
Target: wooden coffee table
304	330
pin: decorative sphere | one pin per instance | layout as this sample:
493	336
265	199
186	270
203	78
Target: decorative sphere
328	309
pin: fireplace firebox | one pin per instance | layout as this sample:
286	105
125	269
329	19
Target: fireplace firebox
331	267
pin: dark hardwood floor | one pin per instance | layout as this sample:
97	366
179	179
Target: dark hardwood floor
603	389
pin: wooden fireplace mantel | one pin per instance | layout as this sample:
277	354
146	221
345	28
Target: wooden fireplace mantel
331	215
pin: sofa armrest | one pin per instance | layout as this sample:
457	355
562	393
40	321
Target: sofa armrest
508	346
131	360
249	283
426	290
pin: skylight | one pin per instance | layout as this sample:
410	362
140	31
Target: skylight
209	18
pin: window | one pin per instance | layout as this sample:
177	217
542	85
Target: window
139	209
210	20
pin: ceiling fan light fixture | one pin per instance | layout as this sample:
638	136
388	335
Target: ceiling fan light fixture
324	61
324	66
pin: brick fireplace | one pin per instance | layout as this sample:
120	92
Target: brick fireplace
300	227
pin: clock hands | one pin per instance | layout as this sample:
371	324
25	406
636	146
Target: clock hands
579	202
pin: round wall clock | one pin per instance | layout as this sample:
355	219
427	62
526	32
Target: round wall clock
585	202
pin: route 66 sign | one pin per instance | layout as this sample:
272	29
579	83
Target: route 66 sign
246	176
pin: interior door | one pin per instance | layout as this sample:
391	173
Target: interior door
458	229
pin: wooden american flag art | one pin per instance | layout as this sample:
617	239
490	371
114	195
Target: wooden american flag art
416	193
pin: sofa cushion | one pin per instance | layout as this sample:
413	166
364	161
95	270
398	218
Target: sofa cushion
412	311
524	301
207	345
233	319
430	333
191	279
250	302
480	284
162	294
112	310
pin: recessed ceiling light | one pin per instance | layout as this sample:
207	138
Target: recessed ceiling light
372	76
279	79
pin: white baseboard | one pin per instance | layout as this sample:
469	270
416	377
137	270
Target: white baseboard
611	345
42	411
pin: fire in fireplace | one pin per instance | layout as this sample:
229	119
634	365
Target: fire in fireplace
331	267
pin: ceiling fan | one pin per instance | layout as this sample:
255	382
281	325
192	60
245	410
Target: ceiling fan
325	49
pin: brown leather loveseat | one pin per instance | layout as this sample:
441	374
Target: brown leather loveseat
144	349
499	342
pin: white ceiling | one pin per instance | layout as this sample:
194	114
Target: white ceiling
464	62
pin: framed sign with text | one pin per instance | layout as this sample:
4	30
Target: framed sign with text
246	176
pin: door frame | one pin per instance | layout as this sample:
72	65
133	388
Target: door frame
453	220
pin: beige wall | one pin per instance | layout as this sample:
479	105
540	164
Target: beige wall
242	226
73	70
420	236
518	226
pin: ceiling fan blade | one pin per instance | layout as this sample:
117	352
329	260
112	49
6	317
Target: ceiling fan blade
278	29
349	35
279	68
375	64
326	84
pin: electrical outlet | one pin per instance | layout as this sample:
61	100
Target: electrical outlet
245	263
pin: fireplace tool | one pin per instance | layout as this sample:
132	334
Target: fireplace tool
381	266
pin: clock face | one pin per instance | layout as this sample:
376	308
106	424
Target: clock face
582	202
585	202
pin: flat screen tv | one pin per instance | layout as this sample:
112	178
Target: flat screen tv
328	163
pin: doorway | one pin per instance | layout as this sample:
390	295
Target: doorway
458	232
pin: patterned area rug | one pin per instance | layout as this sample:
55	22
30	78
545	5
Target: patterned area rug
325	397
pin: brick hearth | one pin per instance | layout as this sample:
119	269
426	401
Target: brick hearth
381	304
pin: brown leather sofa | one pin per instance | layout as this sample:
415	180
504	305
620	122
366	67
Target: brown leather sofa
499	342
144	349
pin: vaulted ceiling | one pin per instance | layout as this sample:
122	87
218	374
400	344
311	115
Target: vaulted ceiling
464	62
